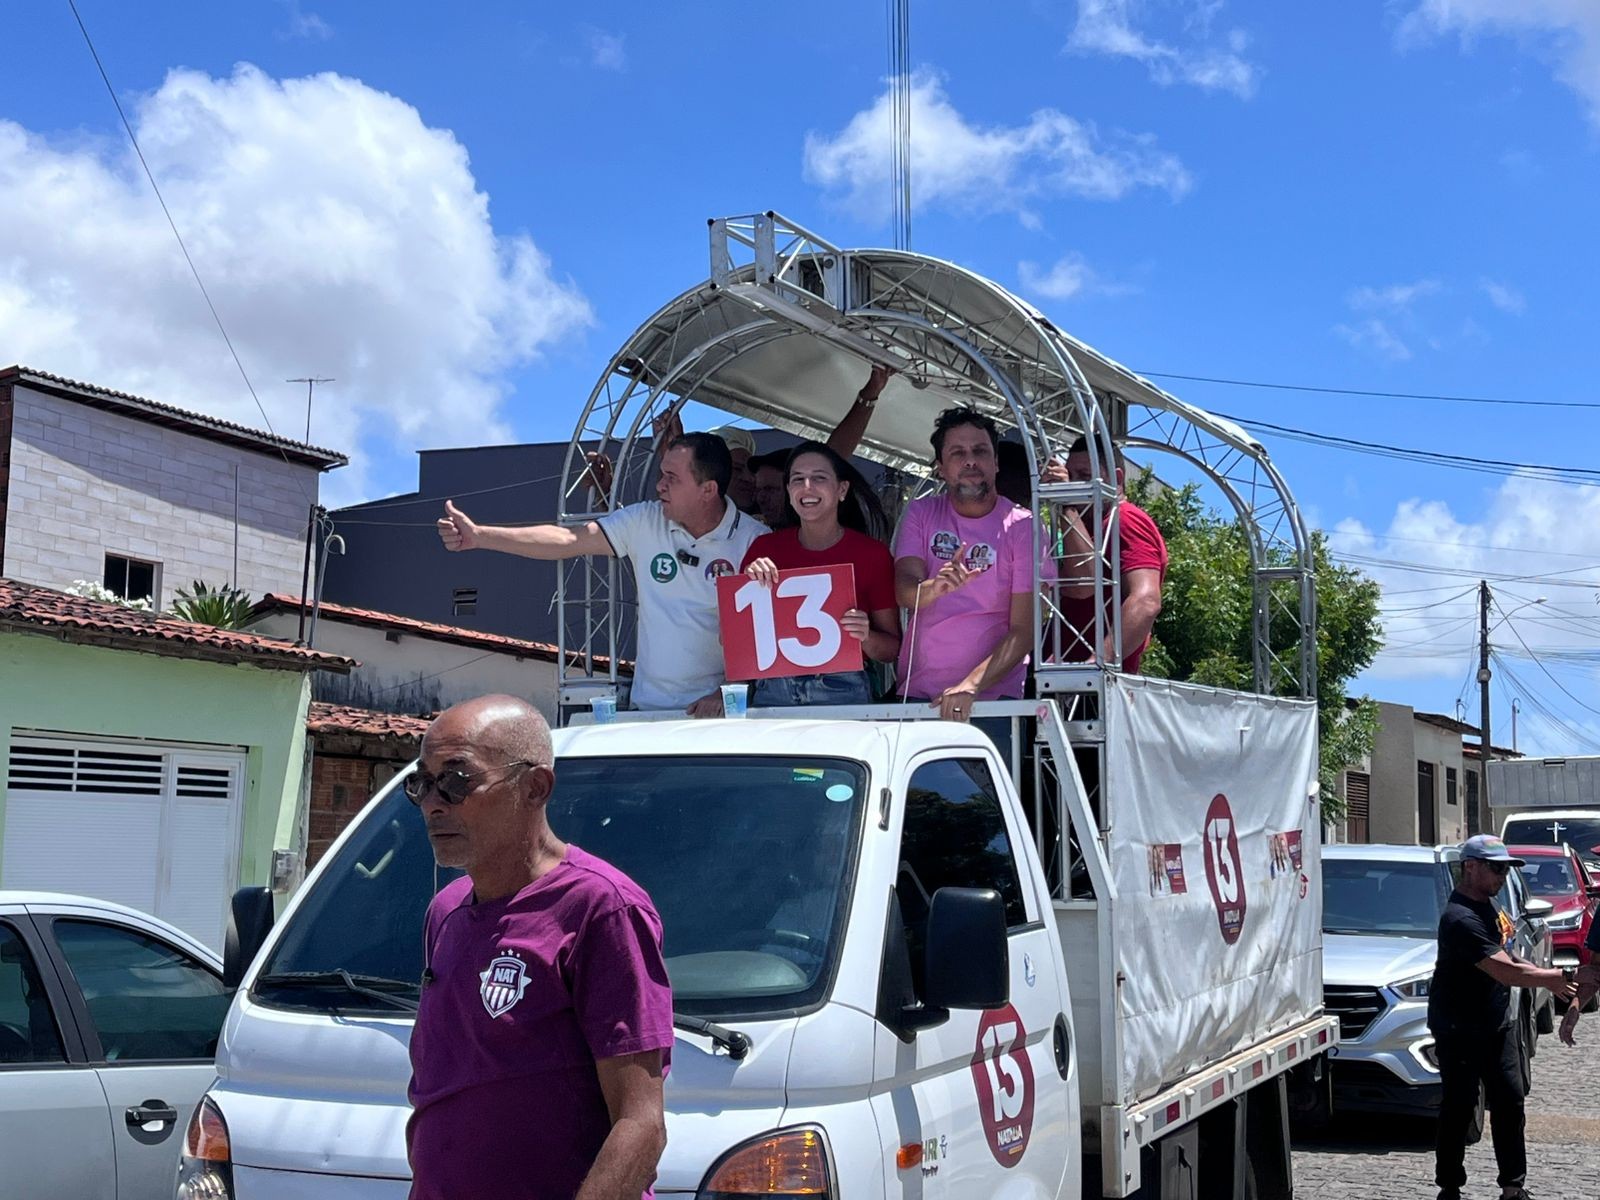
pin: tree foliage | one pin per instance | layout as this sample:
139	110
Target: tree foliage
1204	633
224	606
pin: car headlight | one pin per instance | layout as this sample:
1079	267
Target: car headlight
1567	921
1413	989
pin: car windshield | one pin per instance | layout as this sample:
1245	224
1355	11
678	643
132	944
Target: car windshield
1371	896
1550	877
1582	833
747	859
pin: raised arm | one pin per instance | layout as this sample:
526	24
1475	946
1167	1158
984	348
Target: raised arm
460	532
847	435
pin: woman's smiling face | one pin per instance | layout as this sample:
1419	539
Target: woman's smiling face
814	490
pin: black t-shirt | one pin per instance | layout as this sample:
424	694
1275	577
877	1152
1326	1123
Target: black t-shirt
1464	999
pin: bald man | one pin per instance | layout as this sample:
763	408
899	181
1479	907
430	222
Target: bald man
545	1028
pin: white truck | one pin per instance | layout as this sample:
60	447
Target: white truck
902	965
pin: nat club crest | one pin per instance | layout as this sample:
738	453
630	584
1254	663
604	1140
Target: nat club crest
502	984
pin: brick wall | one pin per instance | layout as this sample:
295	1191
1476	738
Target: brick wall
84	483
341	785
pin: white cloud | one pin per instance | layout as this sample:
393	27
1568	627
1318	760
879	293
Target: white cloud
607	51
1567	32
1504	297
1107	27
1397	297
1375	335
1546	532
959	165
306	25
1069	276
337	234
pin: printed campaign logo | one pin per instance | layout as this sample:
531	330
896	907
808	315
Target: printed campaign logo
945	544
719	567
1003	1077
1224	872
663	568
502	984
980	557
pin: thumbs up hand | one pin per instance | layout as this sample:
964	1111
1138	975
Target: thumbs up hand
457	530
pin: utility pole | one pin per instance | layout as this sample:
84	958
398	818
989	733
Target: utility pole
1474	818
311	382
1516	707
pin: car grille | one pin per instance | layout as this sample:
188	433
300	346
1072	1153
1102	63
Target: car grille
1356	1007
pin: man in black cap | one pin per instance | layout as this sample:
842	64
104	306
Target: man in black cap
1469	1013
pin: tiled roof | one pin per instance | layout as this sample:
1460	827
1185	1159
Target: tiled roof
27	608
344	718
517	647
156	413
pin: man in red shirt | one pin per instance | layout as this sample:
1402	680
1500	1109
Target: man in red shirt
1143	564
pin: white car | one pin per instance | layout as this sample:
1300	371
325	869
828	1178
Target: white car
108	1034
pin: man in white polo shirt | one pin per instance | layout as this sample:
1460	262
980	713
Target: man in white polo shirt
679	544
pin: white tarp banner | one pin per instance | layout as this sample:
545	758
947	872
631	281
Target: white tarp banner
1215	851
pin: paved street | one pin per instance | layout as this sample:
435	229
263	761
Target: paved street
1387	1158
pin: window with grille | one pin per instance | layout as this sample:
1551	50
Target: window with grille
1358	804
1450	786
464	602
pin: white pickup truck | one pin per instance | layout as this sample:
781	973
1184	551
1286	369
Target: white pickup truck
876	993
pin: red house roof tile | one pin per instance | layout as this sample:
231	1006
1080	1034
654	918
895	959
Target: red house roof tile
344	718
27	608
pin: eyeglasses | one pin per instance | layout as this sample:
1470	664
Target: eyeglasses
454	785
1499	868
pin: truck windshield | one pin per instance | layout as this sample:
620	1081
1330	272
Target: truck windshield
1582	832
748	861
1393	899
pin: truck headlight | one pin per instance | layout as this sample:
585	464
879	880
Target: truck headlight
205	1172
1413	989
789	1163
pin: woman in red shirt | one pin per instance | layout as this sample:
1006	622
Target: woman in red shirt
830	508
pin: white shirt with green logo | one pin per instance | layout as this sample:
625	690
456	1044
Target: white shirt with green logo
675	575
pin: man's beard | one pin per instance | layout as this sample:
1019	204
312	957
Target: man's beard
972	489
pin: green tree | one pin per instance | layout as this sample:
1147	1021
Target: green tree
1204	633
225	606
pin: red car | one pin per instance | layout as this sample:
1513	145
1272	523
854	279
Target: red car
1556	874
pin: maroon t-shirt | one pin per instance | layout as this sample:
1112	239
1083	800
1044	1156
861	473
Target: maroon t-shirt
527	991
873	565
1143	549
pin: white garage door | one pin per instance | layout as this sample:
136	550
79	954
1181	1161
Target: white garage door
153	827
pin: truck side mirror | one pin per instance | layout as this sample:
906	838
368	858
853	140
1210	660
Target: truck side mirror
968	963
249	921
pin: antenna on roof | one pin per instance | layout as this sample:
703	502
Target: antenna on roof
311	382
899	12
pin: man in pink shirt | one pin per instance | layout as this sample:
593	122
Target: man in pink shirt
964	569
545	1024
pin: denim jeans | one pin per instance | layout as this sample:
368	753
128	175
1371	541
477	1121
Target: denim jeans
792	691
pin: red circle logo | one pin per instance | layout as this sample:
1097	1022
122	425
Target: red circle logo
1224	871
1004	1079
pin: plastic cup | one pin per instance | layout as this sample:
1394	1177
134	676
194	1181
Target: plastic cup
735	699
604	709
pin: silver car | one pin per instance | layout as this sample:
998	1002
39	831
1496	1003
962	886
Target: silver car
108	1035
1380	922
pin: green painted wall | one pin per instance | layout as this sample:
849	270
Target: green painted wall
48	685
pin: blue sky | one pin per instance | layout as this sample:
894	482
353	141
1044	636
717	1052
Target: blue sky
462	221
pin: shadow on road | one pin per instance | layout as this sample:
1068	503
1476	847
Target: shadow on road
1366	1135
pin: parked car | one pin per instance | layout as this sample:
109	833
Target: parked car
1380	921
1556	874
109	1022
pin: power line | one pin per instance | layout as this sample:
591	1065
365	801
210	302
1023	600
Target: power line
1334	391
1387	537
1511	625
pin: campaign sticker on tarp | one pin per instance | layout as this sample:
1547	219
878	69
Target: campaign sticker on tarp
1003	1077
1224	871
1166	870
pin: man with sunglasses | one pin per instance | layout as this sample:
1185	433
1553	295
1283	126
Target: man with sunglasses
545	1022
1469	1014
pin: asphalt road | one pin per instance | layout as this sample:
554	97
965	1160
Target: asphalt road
1386	1158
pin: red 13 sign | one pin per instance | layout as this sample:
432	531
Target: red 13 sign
789	629
1224	872
1004	1080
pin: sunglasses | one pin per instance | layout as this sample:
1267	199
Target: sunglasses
453	786
1499	868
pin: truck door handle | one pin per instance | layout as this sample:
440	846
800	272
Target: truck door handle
144	1114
